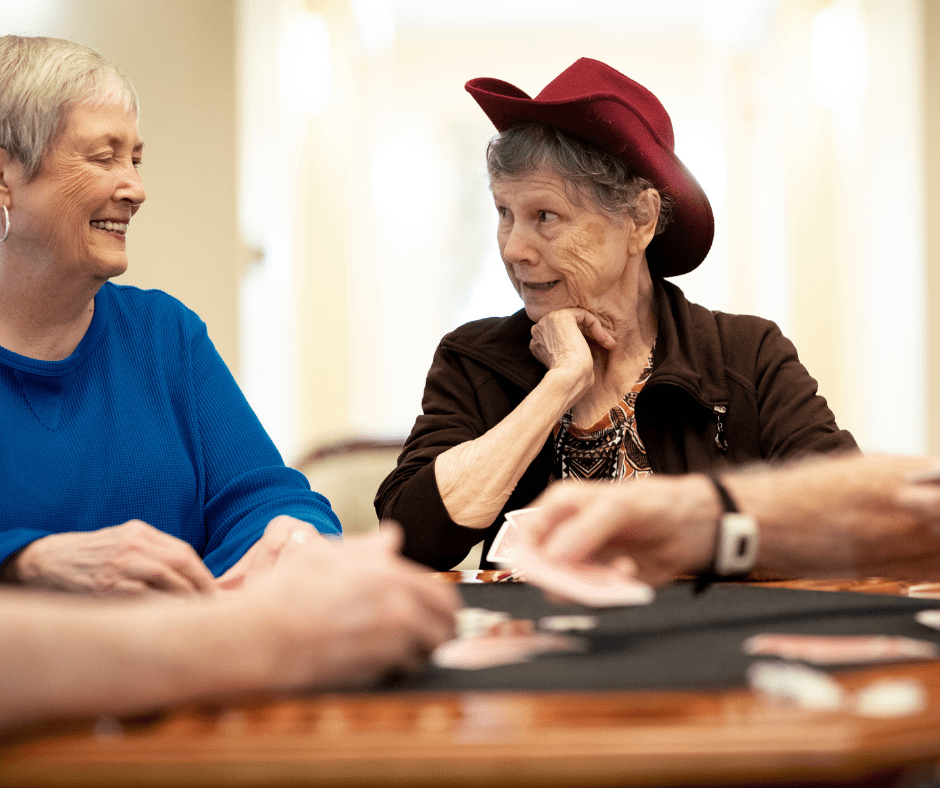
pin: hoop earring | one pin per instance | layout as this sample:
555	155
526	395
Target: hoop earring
6	223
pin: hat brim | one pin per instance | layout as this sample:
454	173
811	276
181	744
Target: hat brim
604	120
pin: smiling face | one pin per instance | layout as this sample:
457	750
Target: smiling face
560	254
72	217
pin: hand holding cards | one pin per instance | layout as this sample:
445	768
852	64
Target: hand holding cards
593	585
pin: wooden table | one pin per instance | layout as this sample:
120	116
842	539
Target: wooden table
496	739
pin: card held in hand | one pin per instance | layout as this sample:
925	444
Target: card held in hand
502	550
594	585
588	584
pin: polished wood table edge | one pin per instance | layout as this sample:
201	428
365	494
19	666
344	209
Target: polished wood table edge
632	738
657	738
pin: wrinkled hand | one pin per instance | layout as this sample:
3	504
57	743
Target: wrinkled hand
654	529
347	614
560	341
845	516
921	499
128	559
263	555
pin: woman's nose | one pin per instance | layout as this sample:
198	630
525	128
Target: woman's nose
517	248
132	189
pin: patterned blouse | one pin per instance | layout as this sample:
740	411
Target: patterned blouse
609	449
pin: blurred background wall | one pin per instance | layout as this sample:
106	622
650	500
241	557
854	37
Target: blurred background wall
316	188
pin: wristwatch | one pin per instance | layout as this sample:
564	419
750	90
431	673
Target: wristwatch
736	539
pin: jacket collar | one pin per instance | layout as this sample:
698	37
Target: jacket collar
688	348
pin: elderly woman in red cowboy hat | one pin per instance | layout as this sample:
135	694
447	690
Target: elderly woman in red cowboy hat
608	372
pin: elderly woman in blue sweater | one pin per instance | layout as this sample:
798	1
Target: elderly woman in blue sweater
129	459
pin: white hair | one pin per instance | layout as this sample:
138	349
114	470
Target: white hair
41	80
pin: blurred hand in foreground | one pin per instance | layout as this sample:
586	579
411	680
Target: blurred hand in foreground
263	555
653	530
341	614
849	516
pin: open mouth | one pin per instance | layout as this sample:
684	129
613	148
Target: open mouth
540	286
111	227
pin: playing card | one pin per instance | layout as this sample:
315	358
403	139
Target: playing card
489	651
924	591
840	649
929	618
900	697
573	623
502	550
477	621
596	586
799	684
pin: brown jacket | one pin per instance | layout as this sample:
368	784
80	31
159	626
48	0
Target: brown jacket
712	372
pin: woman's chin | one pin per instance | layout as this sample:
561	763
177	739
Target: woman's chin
536	313
113	268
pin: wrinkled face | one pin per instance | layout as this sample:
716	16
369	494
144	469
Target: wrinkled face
74	214
558	254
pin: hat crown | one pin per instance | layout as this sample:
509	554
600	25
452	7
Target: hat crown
591	80
599	105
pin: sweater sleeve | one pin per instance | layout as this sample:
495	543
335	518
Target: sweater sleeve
246	481
795	420
410	495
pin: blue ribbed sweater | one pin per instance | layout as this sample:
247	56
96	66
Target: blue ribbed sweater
143	421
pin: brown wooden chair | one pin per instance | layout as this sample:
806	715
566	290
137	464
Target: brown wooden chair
348	471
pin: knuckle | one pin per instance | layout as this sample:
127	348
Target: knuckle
135	528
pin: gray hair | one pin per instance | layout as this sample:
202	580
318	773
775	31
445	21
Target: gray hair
41	80
588	172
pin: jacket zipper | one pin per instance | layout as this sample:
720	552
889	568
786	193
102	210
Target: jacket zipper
720	441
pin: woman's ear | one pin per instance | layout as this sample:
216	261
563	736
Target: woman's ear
646	209
6	166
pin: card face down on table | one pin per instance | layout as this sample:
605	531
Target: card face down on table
681	640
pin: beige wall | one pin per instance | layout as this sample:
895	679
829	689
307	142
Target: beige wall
931	92
180	55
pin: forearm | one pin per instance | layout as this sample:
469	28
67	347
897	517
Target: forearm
838	517
476	478
76	657
12	543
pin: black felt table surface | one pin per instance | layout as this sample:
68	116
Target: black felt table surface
681	641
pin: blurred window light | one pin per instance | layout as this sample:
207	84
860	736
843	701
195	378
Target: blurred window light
490	294
569	14
838	55
700	146
375	20
737	23
29	18
405	185
303	64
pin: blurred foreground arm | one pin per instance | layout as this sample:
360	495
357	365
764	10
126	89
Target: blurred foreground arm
849	516
329	616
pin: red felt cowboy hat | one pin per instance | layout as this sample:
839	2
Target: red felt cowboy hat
598	104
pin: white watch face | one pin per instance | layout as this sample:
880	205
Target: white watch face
737	544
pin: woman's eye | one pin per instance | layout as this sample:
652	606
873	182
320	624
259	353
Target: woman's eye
547	216
137	163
